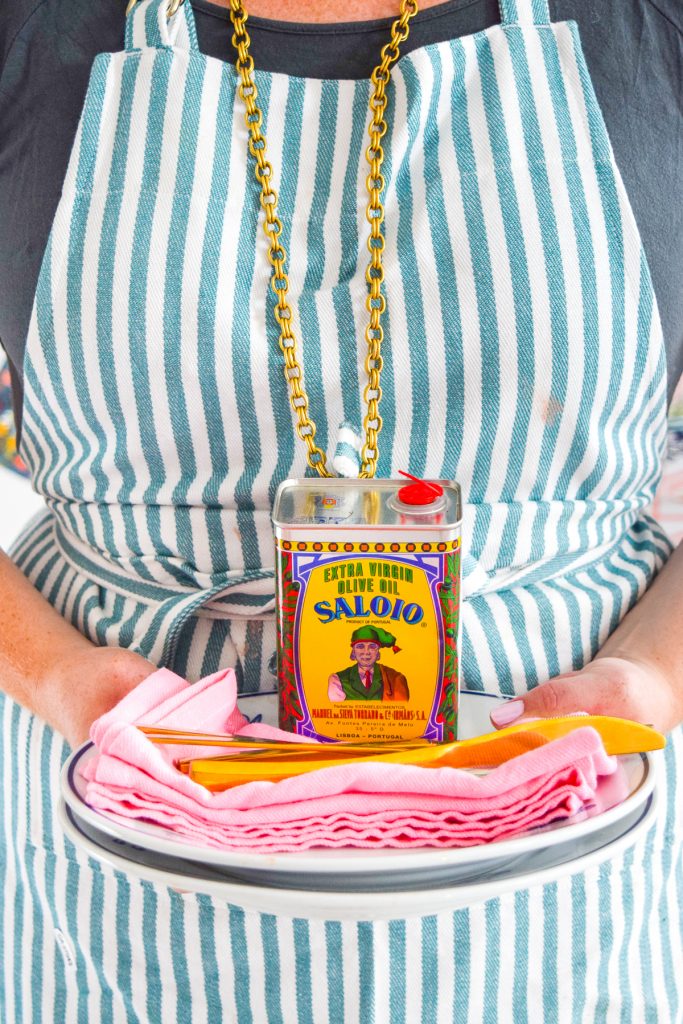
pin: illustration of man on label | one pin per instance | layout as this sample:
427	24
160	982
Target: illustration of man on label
367	679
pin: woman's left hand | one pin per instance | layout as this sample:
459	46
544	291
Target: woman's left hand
607	686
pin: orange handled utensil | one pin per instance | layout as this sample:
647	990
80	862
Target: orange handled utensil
619	736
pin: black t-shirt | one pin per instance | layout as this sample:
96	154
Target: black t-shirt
634	50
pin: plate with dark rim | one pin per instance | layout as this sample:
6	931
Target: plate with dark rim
366	870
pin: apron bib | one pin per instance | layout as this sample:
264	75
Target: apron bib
524	358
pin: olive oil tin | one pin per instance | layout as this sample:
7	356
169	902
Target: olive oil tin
368	598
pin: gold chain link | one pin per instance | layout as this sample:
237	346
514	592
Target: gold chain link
374	275
171	7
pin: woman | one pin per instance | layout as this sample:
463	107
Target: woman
523	356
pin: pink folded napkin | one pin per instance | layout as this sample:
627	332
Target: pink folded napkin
368	805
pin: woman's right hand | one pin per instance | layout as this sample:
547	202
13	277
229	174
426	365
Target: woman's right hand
47	665
86	683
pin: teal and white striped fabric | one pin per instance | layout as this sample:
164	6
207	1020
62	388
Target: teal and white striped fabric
524	358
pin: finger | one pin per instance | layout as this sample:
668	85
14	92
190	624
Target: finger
566	695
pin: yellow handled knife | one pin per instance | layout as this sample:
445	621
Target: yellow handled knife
619	736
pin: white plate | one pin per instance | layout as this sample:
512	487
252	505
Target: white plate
442	876
362	870
375	906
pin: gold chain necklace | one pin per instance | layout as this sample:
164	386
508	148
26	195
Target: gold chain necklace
374	274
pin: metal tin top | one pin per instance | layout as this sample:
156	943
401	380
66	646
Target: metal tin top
362	503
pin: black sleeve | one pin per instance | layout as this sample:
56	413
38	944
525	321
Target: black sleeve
47	49
13	17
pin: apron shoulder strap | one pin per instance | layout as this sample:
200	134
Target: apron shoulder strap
524	12
149	27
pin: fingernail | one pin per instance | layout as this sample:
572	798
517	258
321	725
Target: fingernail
507	712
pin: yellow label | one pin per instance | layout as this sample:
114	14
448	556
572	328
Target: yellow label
369	649
367	641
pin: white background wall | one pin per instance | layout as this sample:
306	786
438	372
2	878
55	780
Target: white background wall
18	502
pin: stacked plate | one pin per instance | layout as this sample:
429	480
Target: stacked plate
367	884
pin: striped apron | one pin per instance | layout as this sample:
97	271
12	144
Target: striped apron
524	358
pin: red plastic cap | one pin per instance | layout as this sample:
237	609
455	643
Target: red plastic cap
420	492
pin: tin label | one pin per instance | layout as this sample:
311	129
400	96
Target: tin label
367	639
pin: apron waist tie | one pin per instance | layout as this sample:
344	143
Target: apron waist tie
245	594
